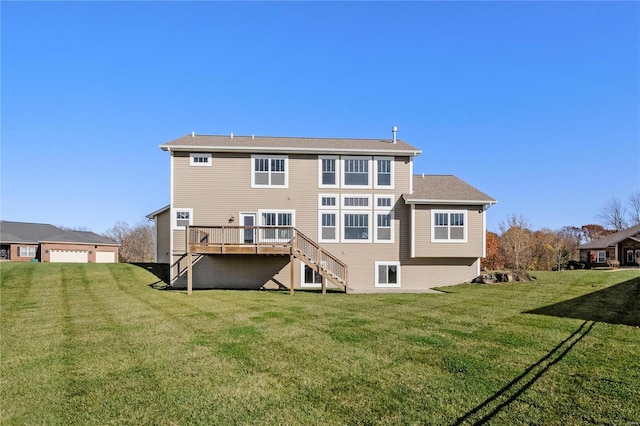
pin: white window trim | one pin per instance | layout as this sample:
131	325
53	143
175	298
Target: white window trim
369	173
322	240
27	251
379	196
375	227
303	284
269	157
449	241
388	263
604	257
261	237
345	196
321	207
343	231
194	155
328	157
174	220
375	173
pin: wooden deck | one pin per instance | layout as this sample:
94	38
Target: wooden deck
261	240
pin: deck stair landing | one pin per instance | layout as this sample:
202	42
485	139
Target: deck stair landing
262	240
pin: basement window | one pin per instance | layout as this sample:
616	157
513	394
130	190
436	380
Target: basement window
387	274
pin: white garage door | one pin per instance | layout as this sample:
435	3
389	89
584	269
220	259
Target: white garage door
105	257
69	256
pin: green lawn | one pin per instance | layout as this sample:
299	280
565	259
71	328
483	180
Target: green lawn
96	344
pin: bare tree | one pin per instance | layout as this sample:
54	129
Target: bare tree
515	240
573	238
561	253
633	209
613	214
136	244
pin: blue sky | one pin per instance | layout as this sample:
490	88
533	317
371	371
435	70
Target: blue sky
535	103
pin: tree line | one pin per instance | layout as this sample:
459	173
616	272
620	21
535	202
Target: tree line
137	242
519	247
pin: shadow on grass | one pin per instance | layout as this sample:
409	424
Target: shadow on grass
618	304
160	270
509	393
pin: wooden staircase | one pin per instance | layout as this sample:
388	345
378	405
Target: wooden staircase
265	240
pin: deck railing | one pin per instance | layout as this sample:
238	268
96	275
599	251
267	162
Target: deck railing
240	235
301	246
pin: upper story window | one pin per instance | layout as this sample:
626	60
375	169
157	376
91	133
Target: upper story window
182	218
449	226
328	221
355	227
327	201
328	168
356	172
356	201
383	172
384	227
269	171
197	159
384	201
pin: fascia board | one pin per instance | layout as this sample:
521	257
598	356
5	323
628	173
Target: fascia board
267	149
455	202
151	216
78	243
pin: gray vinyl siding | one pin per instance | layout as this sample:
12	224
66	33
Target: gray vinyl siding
473	248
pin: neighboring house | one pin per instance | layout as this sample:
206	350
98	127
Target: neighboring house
20	241
300	212
622	246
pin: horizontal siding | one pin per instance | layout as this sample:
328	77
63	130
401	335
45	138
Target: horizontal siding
238	272
221	192
163	236
475	239
434	272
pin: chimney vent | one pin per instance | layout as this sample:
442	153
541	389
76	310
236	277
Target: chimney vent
394	130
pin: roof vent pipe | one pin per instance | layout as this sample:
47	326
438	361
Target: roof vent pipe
193	134
231	135
394	130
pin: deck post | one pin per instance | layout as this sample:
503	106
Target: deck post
189	264
324	284
291	282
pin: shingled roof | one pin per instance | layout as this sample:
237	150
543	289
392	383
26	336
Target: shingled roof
445	189
34	233
289	145
613	239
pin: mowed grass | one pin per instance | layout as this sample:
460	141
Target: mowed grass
95	344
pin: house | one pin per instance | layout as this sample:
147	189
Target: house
287	212
23	242
622	246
